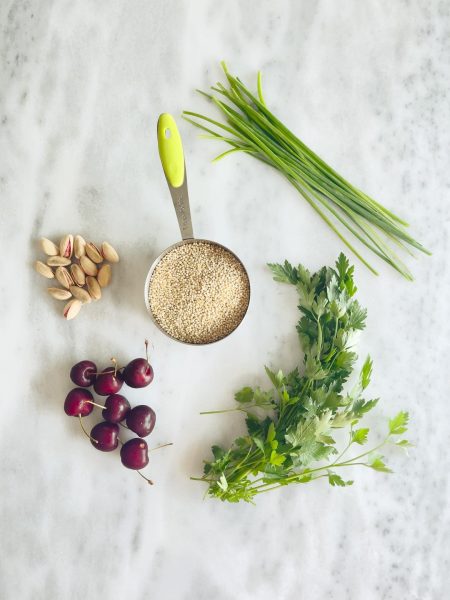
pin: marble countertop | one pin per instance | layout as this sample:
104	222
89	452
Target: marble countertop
82	83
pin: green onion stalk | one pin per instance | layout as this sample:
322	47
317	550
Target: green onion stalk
250	127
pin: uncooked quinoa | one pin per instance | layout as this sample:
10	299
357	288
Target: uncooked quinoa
199	292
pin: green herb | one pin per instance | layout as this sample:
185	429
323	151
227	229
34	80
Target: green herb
251	128
291	427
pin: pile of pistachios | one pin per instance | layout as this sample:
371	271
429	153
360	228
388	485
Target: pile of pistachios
80	267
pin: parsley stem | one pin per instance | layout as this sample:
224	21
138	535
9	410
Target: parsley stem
346	447
349	463
226	410
335	329
364	453
258	490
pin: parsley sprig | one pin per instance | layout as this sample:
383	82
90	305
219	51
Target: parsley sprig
291	426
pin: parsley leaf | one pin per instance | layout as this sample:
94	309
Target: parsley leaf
294	441
399	423
366	373
379	465
360	436
284	273
244	396
335	479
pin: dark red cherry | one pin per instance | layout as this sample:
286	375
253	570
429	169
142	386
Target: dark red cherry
105	436
107	382
134	454
83	373
141	419
116	408
138	373
78	402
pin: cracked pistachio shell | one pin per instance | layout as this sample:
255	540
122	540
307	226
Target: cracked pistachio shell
94	288
94	253
71	309
63	276
66	246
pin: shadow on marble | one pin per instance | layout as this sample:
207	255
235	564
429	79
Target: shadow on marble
133	279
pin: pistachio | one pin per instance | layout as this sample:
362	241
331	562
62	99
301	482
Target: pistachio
79	246
58	261
81	280
89	267
66	246
59	293
94	253
63	276
104	275
43	269
93	288
109	253
71	309
78	275
48	247
80	294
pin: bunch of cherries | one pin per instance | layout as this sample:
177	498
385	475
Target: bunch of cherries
105	435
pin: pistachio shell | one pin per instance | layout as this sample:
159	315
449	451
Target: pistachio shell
80	294
66	246
48	247
43	269
59	293
58	261
94	253
93	288
79	246
71	309
89	267
109	253
104	275
63	276
78	275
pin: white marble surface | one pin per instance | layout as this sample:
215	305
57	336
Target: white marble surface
82	83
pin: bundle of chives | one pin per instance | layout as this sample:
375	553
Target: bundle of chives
250	127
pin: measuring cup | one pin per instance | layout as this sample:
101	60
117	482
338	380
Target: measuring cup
173	163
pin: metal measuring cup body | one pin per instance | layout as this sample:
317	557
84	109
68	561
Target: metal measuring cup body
172	159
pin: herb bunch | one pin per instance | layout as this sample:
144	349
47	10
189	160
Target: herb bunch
252	128
290	427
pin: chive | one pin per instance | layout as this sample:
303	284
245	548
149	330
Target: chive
252	128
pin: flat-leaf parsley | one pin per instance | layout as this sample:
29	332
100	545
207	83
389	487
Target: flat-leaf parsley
291	427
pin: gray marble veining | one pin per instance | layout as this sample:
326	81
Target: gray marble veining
366	84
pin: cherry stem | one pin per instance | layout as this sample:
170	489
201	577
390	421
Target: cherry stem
95	404
162	446
85	432
108	372
146	349
149	481
114	362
